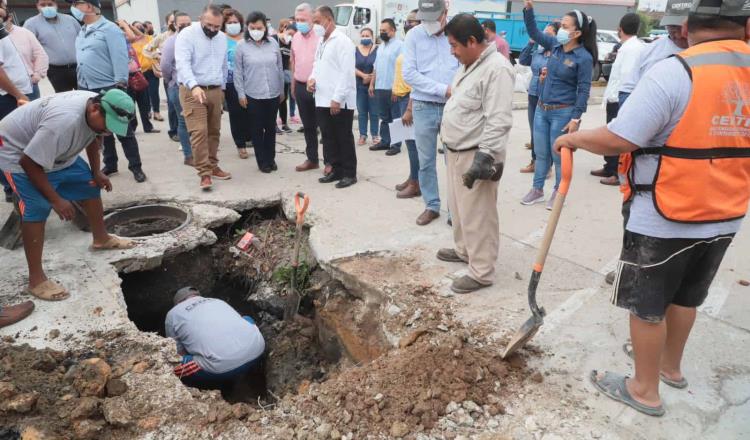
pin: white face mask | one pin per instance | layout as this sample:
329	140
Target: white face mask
256	34
234	28
287	38
319	30
432	27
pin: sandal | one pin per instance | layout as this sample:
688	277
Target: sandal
613	386
113	243
681	384
49	291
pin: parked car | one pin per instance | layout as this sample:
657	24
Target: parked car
609	59
605	42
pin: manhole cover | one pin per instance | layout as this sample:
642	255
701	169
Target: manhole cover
146	220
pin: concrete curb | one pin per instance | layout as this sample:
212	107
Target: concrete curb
524	105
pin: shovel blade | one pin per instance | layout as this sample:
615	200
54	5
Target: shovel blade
522	336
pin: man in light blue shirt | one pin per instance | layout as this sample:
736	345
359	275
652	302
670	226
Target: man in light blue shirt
429	68
201	60
380	88
102	54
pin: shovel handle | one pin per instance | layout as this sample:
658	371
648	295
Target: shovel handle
301	202
554	216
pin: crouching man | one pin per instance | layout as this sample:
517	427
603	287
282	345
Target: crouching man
474	131
39	156
218	345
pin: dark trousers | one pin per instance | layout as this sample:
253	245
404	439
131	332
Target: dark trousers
8	103
338	140
171	113
141	99
387	111
63	78
283	114
533	101
611	162
129	146
263	129
153	90
239	118
306	106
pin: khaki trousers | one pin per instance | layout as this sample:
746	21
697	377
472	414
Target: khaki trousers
204	125
476	227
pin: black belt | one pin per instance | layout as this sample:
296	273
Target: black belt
202	87
453	150
63	66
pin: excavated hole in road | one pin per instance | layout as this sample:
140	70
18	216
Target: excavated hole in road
255	284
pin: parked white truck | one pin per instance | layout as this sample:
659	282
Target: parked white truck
352	17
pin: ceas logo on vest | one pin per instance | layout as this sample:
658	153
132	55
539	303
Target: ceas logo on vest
738	122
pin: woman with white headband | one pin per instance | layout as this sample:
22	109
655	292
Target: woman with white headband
563	90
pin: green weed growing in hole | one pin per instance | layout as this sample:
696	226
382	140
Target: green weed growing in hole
283	275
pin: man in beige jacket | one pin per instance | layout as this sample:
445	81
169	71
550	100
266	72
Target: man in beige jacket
474	131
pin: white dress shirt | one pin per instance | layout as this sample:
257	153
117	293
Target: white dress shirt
626	61
201	61
333	72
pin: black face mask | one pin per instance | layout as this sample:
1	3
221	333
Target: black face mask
384	36
179	29
171	28
209	33
3	32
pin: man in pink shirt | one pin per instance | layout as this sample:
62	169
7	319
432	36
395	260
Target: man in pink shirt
490	32
304	46
31	51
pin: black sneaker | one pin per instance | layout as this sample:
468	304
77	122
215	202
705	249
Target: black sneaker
392	151
139	176
380	147
286	128
107	171
174	137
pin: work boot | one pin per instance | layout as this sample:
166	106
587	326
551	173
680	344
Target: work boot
610	277
467	284
220	174
412	190
427	217
402	186
528	168
10	315
449	255
206	182
306	166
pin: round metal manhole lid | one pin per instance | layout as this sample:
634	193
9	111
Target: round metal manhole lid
147	220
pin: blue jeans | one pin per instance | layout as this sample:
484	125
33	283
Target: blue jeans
182	132
387	109
531	111
367	110
171	113
427	119
153	90
411	146
548	125
35	93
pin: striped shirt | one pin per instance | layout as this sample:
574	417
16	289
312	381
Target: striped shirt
201	61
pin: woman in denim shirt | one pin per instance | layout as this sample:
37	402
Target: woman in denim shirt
564	89
536	57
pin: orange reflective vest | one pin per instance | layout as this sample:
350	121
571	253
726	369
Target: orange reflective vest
704	169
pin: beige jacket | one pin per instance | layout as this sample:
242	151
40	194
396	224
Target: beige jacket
479	112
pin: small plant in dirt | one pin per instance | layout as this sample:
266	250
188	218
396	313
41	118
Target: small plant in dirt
282	275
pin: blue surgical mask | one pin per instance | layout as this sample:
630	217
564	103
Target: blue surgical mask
49	11
77	14
234	28
303	27
366	41
563	36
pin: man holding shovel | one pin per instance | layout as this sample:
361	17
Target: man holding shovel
685	173
39	156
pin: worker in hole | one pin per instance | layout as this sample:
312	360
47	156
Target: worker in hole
216	343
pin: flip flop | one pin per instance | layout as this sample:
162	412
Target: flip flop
49	291
681	384
613	386
114	242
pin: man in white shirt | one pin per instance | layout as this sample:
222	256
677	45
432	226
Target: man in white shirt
626	61
333	82
15	82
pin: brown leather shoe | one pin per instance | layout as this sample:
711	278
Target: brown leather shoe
600	173
402	186
327	170
427	217
206	182
220	174
412	190
611	181
189	161
528	168
307	166
10	315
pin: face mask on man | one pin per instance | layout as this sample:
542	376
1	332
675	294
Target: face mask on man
77	13
234	28
210	33
319	30
49	11
432	27
303	27
181	27
384	36
256	34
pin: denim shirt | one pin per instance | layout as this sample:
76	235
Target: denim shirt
102	54
568	73
428	67
535	57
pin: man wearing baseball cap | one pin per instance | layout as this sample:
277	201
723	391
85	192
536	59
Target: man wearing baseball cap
685	168
429	68
39	156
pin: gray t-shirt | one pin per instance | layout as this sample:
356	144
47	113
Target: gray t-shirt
52	131
216	335
647	119
651	54
58	37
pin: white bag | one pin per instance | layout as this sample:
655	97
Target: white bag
523	78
